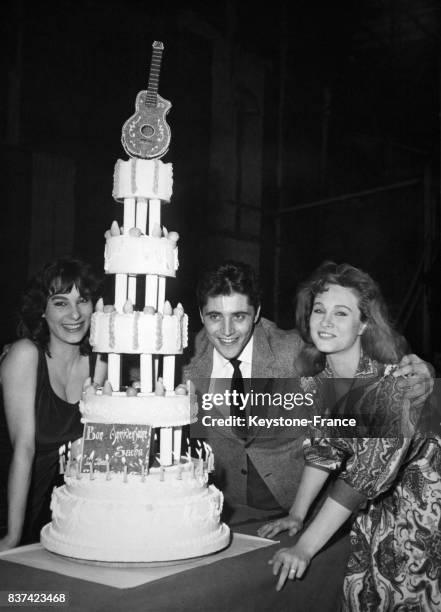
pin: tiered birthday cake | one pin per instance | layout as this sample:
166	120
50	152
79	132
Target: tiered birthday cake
129	494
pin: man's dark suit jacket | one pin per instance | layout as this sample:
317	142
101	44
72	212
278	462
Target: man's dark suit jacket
277	454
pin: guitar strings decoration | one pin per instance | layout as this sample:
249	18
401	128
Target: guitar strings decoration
146	134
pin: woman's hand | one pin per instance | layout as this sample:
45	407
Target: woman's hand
293	524
416	379
291	563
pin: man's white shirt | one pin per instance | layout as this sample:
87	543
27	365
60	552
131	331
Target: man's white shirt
223	370
222	367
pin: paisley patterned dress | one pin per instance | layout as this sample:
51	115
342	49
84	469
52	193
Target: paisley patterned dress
393	486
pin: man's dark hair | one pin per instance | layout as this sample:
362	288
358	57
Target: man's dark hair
227	278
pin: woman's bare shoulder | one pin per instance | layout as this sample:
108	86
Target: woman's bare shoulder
23	353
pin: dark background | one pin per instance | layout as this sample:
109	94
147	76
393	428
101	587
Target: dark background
327	109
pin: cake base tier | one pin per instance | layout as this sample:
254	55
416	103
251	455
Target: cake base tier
217	545
137	521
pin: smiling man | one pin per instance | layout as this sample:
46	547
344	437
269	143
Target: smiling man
248	466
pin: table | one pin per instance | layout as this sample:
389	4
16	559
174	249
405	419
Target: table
239	584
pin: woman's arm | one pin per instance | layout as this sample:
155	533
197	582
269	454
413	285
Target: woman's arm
292	562
311	483
19	381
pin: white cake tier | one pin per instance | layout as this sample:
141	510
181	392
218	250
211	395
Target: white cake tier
138	332
142	178
145	409
136	521
140	255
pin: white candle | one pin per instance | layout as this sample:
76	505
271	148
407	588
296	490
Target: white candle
68	463
107	467
124	469
91	476
211	462
78	466
61	458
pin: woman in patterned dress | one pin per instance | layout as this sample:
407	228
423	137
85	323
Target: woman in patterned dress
390	485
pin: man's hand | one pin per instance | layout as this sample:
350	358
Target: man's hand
291	523
415	379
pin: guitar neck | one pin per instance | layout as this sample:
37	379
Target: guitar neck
153	84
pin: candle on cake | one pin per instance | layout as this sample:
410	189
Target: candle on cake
123	460
78	466
200	461
91	467
61	458
107	467
210	466
68	463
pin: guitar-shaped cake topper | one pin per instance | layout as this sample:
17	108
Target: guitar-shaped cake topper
146	134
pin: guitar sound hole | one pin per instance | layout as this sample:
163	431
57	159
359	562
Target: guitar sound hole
147	131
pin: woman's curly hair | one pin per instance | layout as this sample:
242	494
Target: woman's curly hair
58	276
379	340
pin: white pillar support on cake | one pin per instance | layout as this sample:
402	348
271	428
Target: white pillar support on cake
166	446
161	293
141	214
146	371
129	214
151	291
120	291
154	214
131	289
114	370
168	372
156	367
177	441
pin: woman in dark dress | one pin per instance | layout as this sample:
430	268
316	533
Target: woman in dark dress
42	376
